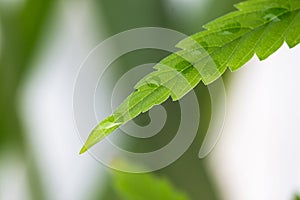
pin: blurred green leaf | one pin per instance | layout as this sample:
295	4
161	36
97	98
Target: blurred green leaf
145	187
259	27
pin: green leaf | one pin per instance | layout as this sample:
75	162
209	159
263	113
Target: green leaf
258	27
145	186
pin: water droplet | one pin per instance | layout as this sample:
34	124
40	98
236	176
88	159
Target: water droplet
181	65
109	125
204	45
153	81
120	117
229	29
273	14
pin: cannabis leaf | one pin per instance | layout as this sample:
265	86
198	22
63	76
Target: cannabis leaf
258	27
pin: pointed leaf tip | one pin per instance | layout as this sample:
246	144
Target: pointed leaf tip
83	150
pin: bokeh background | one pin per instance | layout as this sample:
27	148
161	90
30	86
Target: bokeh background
42	44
